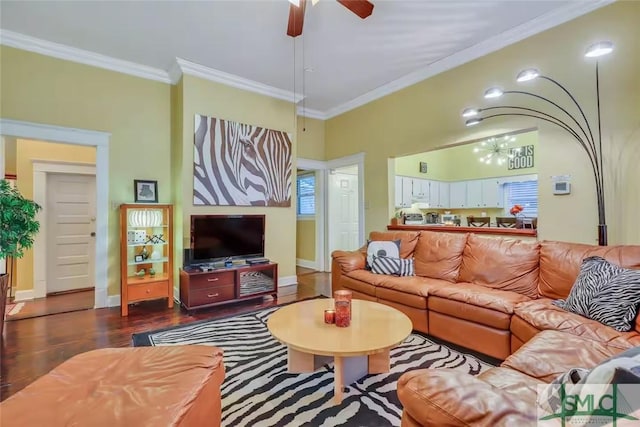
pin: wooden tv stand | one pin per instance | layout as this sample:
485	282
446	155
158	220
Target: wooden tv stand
200	289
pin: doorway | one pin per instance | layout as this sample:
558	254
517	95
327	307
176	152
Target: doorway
76	137
345	207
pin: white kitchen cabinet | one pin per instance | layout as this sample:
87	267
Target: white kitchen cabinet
398	192
434	194
491	193
458	194
443	195
420	189
474	193
407	191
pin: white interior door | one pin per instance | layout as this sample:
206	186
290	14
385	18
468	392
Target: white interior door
343	209
71	214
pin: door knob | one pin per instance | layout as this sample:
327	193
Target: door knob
93	234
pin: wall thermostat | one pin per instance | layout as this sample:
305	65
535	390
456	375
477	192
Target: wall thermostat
561	187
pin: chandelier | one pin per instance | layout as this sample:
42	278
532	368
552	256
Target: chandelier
496	150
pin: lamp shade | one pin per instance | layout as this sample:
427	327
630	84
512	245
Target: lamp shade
528	74
470	112
474	121
599	49
493	92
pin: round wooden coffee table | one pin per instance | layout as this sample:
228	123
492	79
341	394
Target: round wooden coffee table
360	349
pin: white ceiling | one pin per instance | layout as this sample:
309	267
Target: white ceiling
353	60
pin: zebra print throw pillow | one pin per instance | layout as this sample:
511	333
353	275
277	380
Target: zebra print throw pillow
594	272
616	303
394	266
606	293
387	248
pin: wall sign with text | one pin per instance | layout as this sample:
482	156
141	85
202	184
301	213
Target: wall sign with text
522	157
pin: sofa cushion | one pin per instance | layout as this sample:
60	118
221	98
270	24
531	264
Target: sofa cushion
551	353
560	263
449	398
416	285
512	381
355	282
408	240
406	299
543	315
510	265
439	255
470	293
473	313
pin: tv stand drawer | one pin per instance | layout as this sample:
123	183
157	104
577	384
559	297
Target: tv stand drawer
222	278
212	295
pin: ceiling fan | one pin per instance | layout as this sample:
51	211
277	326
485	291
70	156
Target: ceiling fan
362	8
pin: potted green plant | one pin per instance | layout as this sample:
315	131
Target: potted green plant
18	227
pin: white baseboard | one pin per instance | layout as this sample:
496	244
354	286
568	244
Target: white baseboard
287	281
25	295
305	263
176	295
113	301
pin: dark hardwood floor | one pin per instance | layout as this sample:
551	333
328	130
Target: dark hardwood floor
32	347
53	304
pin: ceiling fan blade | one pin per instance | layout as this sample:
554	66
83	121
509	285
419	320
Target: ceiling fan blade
362	8
296	19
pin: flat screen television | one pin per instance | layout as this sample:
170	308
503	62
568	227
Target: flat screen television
218	237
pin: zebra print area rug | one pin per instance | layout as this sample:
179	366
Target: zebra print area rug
258	391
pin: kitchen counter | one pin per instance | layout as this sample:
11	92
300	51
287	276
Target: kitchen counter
516	232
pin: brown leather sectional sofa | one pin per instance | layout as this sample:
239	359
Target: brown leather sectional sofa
492	295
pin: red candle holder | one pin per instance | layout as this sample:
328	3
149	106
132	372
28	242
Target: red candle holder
343	314
329	316
343	295
343	308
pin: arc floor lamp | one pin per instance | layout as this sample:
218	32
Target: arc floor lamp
574	122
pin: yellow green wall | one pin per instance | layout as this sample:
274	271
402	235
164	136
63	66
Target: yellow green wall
461	163
216	100
306	239
26	152
426	116
310	139
10	156
135	111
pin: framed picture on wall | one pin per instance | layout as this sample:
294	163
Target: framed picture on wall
145	191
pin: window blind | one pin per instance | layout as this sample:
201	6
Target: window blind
306	195
525	194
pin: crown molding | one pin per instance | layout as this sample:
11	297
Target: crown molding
516	34
311	113
56	50
211	74
181	66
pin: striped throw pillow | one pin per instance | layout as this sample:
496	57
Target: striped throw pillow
606	293
386	248
594	272
393	266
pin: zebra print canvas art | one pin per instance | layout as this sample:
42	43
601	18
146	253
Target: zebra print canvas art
236	164
259	392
